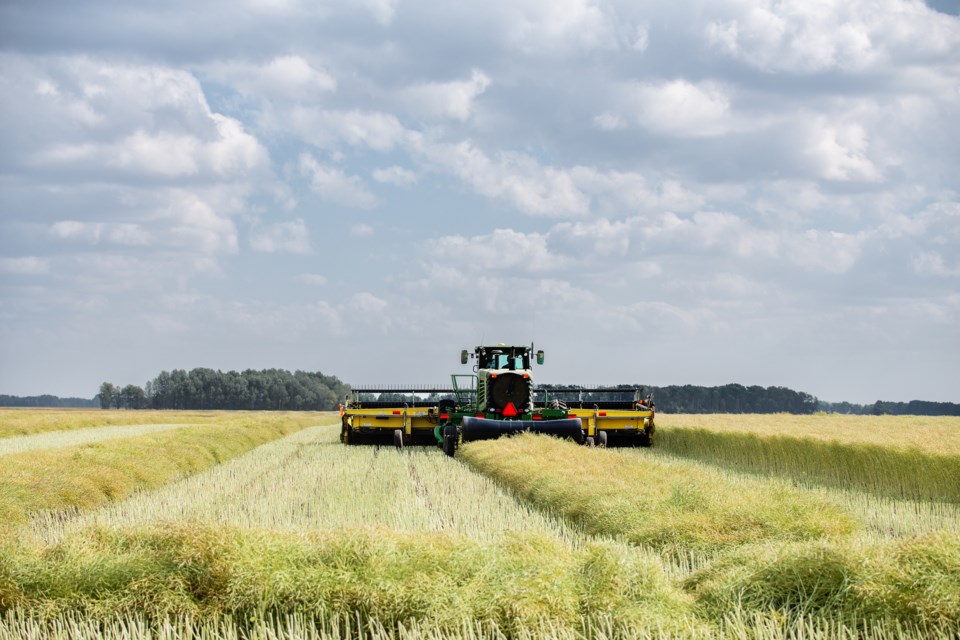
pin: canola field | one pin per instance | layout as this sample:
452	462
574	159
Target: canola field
229	525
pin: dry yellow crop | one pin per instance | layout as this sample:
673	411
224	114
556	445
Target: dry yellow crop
937	435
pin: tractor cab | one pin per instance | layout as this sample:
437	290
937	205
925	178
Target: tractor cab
502	357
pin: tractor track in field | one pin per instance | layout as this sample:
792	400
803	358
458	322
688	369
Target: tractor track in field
423	495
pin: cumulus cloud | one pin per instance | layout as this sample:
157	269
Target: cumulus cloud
282	237
195	223
537	26
503	250
128	234
26	265
313	279
799	36
933	264
446	99
682	108
397	176
838	150
333	184
290	77
517	178
609	122
330	128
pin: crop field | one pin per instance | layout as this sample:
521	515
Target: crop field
914	457
229	525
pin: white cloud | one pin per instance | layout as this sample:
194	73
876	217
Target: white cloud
517	178
196	225
808	37
640	39
291	77
828	251
358	128
75	229
313	279
931	263
366	302
446	99
333	184
282	237
609	122
397	176
129	234
138	120
538	26
25	266
839	151
503	250
683	109
361	231
383	11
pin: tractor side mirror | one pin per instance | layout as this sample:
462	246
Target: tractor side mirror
464	356
540	357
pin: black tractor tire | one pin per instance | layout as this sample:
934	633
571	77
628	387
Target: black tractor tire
602	439
450	440
644	440
590	442
398	439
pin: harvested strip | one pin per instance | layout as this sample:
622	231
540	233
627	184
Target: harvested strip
392	577
309	481
63	439
670	506
89	475
883	470
22	422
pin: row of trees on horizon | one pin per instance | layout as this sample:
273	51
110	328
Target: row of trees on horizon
267	389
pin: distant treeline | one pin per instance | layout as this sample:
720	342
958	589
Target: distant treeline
880	408
268	389
736	398
730	398
46	400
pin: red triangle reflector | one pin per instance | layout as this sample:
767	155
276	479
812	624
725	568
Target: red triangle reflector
509	410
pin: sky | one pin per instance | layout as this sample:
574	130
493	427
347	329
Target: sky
693	192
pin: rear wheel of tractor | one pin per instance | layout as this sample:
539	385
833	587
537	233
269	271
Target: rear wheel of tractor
591	442
602	439
449	440
398	438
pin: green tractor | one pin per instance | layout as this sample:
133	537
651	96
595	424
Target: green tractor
499	398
